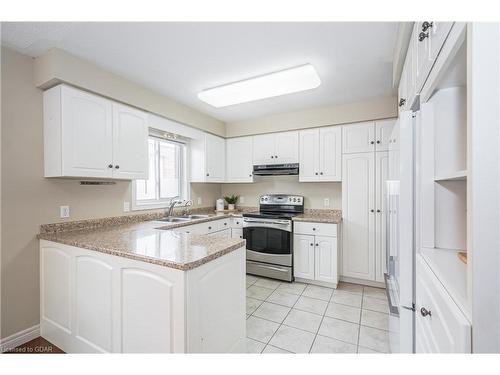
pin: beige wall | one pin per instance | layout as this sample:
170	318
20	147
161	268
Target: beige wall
57	66
314	192
371	109
28	199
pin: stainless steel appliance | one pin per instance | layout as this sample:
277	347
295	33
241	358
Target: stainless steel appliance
269	236
276	169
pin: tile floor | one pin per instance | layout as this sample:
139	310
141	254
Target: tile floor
302	318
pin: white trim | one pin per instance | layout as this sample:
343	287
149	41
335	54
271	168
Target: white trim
354	280
19	338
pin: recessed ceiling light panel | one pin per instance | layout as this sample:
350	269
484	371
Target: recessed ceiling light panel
287	81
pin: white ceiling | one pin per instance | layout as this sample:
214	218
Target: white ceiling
353	60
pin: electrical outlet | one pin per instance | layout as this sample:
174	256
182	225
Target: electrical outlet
64	212
242	199
326	202
199	201
126	206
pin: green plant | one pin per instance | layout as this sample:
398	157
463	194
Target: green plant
231	199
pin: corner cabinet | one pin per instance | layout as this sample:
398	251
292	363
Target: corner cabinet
276	148
208	159
86	135
320	154
239	166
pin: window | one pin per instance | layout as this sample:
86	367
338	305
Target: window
166	175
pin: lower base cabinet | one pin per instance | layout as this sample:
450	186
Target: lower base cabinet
315	257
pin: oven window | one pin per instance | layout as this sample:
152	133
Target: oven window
268	240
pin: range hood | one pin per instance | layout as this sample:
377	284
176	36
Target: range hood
276	169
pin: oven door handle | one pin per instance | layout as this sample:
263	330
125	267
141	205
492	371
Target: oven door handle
281	222
253	224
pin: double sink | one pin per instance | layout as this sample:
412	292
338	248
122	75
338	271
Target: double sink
183	218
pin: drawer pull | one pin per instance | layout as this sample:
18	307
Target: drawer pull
312	244
314	228
424	312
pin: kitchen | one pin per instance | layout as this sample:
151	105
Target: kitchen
249	206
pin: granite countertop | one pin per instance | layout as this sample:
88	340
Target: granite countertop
320	216
150	241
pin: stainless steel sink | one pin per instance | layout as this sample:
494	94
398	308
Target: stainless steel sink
192	217
175	219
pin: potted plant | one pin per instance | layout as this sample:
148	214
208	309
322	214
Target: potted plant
231	201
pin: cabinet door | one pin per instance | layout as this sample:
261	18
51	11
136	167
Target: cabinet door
303	256
358	206
87	140
330	154
423	58
438	33
309	155
236	233
383	130
130	143
263	149
358	137
402	88
287	147
215	158
381	175
239	165
325	259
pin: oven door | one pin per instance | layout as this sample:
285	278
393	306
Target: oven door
268	241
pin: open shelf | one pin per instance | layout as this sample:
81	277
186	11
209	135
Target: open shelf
452	176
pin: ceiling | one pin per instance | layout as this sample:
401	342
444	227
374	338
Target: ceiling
353	60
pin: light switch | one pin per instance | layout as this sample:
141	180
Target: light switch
64	212
326	202
126	206
199	201
242	199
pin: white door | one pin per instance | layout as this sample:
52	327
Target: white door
130	143
358	214
309	155
303	256
263	149
215	156
358	137
239	165
330	153
381	175
325	259
383	130
287	147
87	139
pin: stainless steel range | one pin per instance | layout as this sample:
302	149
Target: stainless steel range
269	235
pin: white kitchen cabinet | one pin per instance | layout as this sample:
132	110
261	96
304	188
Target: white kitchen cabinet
381	176
383	130
276	148
86	135
236	233
208	159
358	214
239	165
303	256
359	137
320	154
325	255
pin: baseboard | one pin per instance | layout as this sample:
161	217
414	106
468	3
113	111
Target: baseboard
353	280
19	338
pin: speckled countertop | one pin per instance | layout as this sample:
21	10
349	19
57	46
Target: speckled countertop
149	241
320	216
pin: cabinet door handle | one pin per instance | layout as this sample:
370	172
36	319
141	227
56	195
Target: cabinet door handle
378	142
209	228
276	156
312	244
272	157
378	211
321	173
317	244
208	174
316	173
250	175
424	312
422	36
372	142
427	25
110	166
117	166
314	228
372	210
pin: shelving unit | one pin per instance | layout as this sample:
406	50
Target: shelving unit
453	176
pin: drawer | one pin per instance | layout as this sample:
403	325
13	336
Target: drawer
223	233
223	224
445	329
236	222
317	229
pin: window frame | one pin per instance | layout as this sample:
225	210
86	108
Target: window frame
139	205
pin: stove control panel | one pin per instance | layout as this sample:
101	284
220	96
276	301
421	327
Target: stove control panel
296	200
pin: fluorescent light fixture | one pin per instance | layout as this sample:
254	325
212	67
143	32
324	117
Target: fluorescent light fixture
286	81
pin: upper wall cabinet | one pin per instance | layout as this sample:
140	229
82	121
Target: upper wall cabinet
277	148
86	135
320	154
208	159
239	167
367	136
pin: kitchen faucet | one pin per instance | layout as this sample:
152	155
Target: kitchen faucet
173	202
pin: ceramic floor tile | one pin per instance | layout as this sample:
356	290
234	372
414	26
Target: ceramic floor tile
250	280
323	344
258	292
373	338
272	311
375	292
339	329
375	319
343	312
293	288
375	304
318	292
292	339
362	350
254	346
346	298
313	305
269	349
351	288
260	329
303	320
267	283
252	304
282	298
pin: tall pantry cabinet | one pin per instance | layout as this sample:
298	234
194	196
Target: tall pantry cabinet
364	175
